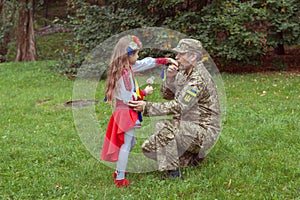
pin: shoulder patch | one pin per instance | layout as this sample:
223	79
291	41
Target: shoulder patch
190	94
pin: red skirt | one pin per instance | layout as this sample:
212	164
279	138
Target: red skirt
122	120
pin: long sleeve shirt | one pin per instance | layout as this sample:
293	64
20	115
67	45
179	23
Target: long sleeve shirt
127	90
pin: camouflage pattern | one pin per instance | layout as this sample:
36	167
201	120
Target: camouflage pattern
195	125
189	45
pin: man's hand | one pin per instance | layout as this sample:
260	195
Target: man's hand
172	61
172	71
138	106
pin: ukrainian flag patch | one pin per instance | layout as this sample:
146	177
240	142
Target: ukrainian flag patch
192	92
189	95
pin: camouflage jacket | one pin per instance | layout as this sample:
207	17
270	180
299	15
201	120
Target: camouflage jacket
193	98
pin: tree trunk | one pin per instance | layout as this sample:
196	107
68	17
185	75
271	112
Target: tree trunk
279	50
4	47
2	2
26	50
4	42
3	51
46	11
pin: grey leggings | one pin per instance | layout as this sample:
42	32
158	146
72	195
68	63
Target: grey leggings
129	142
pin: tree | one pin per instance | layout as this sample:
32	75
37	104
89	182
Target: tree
7	19
26	49
3	48
230	30
2	2
233	31
283	23
46	11
284	19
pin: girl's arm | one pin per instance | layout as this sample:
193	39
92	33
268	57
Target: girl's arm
149	62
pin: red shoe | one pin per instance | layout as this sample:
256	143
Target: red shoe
122	183
115	174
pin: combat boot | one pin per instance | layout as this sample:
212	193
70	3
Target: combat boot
171	174
197	159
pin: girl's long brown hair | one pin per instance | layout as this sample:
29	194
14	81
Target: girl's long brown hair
119	61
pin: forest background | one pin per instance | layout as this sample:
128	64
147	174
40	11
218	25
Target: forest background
240	35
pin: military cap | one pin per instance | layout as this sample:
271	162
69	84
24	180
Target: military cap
188	45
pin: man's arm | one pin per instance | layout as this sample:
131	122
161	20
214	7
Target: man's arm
168	87
167	91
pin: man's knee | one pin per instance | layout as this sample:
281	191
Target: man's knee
149	150
145	146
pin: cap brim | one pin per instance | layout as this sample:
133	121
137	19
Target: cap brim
178	50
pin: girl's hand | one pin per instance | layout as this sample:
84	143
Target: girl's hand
172	62
149	89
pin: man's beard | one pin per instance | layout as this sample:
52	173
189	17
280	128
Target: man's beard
183	67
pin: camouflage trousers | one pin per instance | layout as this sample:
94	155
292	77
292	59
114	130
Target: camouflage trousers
174	143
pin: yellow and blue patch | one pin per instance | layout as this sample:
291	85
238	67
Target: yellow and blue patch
189	95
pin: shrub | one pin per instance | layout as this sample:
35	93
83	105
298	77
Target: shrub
284	26
232	31
91	25
7	25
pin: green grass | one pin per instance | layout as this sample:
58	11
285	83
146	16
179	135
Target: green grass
258	150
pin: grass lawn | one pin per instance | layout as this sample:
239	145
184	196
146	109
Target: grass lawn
43	157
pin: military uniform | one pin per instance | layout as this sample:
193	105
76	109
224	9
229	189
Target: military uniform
195	125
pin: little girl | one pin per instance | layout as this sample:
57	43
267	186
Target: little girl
121	85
